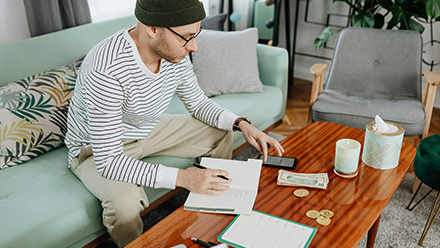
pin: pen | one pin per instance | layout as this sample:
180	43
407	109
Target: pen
200	242
203	167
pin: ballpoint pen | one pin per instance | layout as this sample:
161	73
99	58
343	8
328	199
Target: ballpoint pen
200	242
203	167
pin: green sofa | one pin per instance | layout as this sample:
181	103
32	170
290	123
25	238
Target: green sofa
42	203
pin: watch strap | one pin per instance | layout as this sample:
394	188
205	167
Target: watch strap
238	120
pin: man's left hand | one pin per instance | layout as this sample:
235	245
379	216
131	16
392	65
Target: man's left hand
259	139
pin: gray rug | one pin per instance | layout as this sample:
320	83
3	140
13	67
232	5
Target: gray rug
398	228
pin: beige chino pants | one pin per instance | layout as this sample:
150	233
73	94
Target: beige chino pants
175	135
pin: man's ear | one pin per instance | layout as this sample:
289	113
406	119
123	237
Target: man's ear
151	31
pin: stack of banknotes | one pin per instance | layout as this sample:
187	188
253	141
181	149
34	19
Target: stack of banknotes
311	180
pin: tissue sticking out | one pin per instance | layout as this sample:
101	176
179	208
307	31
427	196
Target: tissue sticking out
383	127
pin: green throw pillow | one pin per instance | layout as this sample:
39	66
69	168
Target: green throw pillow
33	114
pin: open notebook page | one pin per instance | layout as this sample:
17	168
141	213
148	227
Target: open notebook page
240	198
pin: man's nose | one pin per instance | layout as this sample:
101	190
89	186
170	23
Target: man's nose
192	46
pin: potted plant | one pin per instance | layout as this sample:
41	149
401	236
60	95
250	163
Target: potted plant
372	14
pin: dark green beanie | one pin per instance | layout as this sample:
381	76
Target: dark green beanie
169	13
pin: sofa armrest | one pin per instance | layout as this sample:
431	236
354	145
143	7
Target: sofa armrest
273	66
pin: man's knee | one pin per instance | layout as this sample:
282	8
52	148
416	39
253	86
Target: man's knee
125	206
120	214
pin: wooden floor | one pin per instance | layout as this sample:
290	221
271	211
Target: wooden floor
298	107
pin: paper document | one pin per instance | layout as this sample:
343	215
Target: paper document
263	230
240	198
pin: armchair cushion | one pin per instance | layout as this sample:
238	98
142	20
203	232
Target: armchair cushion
357	112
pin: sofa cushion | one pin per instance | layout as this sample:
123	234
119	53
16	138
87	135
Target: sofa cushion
226	62
43	198
214	22
34	113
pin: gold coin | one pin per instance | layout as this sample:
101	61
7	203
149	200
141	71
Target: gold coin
327	213
312	214
323	220
301	193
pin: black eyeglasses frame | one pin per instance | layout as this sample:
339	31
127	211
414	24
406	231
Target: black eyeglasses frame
183	38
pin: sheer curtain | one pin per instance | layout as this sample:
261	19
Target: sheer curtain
45	16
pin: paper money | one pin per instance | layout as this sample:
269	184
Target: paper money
316	180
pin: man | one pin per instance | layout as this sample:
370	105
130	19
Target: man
116	116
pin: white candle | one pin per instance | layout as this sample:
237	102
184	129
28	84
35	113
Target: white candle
347	155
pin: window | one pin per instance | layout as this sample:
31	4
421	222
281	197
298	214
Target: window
102	10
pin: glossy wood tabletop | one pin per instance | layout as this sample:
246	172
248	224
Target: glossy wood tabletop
357	202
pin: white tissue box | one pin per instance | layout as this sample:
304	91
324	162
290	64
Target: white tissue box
382	150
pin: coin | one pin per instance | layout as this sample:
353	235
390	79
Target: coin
323	220
313	214
301	193
327	213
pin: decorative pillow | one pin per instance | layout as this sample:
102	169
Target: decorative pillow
214	22
226	62
33	114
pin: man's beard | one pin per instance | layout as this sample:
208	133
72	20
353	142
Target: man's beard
163	50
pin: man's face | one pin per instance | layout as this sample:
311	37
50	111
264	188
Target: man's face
170	46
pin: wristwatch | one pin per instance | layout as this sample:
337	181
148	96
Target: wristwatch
243	118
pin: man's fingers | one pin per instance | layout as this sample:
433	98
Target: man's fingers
277	146
264	148
216	172
216	189
255	144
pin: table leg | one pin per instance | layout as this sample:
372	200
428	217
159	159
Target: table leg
372	233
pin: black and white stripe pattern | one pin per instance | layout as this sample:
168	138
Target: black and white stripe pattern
117	99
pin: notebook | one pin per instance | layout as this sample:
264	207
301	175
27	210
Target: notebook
240	198
264	230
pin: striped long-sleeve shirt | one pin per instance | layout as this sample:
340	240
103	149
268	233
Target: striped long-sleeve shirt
117	98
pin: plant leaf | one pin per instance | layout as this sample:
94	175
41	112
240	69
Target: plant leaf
386	4
363	20
414	25
323	37
433	8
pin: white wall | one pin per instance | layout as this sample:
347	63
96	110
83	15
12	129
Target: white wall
13	21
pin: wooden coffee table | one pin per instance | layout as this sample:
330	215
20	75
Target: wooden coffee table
357	202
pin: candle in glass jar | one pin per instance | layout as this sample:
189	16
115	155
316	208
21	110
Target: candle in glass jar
347	156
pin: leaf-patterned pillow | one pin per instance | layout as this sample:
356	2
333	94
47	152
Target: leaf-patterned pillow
33	114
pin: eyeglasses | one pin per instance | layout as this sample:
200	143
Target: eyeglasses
187	40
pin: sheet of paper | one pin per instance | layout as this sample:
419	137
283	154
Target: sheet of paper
240	198
262	230
242	173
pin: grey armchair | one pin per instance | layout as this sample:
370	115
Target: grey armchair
375	72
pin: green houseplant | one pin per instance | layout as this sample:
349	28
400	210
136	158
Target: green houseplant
372	13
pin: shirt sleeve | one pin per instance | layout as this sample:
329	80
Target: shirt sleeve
198	104
104	97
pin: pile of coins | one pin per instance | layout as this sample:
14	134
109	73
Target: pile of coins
322	217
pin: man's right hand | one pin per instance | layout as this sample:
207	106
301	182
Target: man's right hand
203	181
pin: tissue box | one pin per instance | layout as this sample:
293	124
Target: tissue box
382	150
